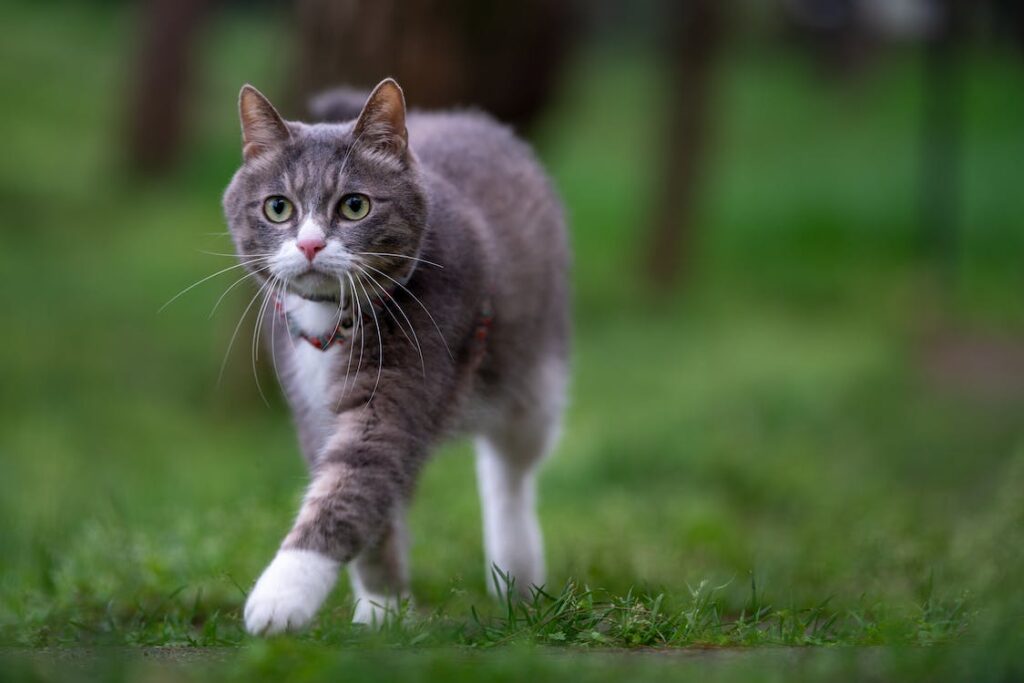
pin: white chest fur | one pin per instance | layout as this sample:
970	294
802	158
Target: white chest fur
313	369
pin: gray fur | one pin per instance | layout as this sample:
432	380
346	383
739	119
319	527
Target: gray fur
468	195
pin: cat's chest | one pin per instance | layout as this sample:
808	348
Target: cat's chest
313	373
314	370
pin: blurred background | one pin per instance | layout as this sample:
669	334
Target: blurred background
799	258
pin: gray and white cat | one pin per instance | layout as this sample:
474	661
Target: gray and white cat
417	265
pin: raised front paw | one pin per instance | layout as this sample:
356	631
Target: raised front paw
289	592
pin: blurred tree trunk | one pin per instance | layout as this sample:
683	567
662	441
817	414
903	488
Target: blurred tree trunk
696	35
1012	13
502	57
156	118
833	33
942	128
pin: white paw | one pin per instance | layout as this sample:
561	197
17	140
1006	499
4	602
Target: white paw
375	610
289	592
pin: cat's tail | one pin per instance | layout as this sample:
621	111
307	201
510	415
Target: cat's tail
338	104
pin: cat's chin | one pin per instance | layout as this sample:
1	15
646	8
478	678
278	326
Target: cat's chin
314	285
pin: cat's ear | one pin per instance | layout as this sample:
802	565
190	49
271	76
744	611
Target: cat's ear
382	122
263	128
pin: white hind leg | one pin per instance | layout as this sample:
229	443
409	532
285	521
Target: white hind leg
507	460
380	575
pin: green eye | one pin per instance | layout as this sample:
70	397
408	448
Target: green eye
277	209
354	206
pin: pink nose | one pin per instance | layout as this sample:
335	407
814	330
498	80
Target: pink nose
310	246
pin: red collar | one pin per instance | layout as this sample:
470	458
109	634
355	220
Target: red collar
343	330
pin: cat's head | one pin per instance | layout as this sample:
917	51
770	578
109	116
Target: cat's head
314	204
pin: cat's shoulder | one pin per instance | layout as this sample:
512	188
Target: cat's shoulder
468	143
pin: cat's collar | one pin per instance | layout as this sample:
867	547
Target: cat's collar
343	328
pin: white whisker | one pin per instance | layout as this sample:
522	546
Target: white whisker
419	349
360	326
223	364
341	304
243	257
232	286
257	331
417	300
273	328
351	339
411	258
380	343
199	282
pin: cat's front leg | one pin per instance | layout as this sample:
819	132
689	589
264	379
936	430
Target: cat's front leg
290	591
348	511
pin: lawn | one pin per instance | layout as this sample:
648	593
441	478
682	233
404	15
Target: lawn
776	454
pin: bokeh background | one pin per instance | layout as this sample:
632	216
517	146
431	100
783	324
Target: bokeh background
799	341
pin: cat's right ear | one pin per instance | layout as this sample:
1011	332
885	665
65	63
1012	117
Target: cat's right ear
263	129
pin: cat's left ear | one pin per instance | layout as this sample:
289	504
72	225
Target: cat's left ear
263	128
382	121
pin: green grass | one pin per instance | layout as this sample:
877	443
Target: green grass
761	459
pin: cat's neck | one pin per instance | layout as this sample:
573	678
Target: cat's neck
313	317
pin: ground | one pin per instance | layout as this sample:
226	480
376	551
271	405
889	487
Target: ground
781	453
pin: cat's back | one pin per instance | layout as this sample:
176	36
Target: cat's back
490	166
499	175
469	146
523	232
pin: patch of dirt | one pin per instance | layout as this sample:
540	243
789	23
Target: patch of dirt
88	655
978	366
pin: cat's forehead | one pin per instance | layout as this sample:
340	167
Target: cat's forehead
318	152
320	157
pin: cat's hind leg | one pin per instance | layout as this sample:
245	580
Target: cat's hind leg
380	575
508	455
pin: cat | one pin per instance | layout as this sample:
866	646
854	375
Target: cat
413	268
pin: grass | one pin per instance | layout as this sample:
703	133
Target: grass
762	460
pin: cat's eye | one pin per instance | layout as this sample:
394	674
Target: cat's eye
354	206
277	209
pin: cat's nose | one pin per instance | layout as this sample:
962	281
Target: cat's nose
310	246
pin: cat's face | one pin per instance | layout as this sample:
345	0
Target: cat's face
316	209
